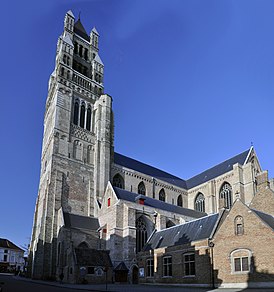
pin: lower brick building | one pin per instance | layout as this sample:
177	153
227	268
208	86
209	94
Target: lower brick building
234	248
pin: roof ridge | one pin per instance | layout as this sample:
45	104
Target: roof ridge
188	222
218	164
150	166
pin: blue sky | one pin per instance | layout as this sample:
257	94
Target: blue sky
192	85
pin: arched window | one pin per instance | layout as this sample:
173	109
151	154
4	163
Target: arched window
199	204
86	54
88	119
64	59
118	181
68	61
76	113
62	71
141	188
241	261
82	116
226	195
180	201
81	51
162	195
68	74
239	225
141	233
76	48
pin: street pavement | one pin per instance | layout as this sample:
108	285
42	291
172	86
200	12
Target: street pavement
18	284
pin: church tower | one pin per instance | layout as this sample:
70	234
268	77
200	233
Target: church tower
77	144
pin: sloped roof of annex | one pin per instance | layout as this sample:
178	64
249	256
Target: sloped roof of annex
124	195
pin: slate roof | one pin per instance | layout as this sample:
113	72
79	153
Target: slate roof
217	170
5	243
185	233
149	170
267	218
92	257
80	222
154	203
205	176
80	30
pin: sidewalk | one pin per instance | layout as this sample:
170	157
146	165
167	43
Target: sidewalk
137	288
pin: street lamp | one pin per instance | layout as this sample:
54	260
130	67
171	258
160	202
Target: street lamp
211	245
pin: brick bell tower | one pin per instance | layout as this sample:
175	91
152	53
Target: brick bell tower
77	144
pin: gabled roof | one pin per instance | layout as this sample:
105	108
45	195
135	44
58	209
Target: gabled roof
131	197
149	170
80	30
185	184
92	257
185	233
5	243
80	222
266	218
217	170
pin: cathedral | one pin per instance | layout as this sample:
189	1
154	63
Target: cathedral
102	215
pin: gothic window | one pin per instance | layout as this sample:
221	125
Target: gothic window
199	204
68	61
162	195
189	264
180	201
141	234
226	195
76	48
167	266
82	116
118	181
88	119
239	225
240	261
64	59
81	51
62	71
150	268
86	54
58	253
76	113
77	150
141	188
68	74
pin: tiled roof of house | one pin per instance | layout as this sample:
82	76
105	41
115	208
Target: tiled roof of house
267	218
185	233
5	243
80	222
205	176
80	30
154	203
92	257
